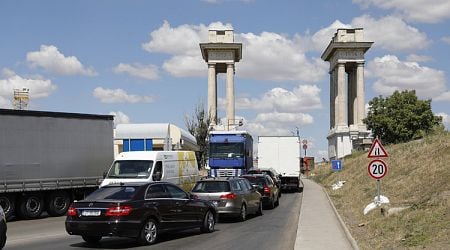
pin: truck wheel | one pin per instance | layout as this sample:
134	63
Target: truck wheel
8	203
31	206
58	203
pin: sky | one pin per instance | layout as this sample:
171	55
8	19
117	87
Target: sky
141	61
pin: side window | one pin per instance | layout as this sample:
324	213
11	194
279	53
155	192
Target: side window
235	186
247	183
156	191
157	172
176	192
269	180
243	185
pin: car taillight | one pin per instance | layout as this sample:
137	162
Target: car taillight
266	190
71	211
118	211
229	196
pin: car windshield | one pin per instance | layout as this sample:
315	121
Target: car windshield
130	169
113	193
211	187
226	150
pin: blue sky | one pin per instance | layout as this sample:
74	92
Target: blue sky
141	61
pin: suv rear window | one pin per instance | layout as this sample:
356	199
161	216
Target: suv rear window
260	181
211	187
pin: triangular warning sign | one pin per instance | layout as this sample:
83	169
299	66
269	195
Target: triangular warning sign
377	150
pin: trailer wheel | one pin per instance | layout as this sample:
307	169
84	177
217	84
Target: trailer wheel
8	203
58	203
31	206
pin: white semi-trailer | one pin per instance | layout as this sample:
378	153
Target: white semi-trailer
281	153
47	159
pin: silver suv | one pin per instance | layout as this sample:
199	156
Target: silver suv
2	228
234	197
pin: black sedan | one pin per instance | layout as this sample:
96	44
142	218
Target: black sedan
138	210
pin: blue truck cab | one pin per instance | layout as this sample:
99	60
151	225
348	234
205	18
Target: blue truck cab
230	153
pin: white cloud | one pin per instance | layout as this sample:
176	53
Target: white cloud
38	87
148	72
275	119
181	40
320	40
443	97
271	56
119	117
395	35
50	59
186	66
445	118
418	58
446	39
118	96
428	11
302	98
268	56
393	74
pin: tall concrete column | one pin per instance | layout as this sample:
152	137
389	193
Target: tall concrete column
360	93
230	93
212	92
352	97
340	109
331	99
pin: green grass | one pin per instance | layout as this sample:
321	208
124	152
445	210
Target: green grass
418	176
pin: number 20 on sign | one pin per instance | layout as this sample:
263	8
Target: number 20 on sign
377	169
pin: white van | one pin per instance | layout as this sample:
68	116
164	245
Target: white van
177	167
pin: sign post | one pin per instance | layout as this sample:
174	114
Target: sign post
377	168
336	165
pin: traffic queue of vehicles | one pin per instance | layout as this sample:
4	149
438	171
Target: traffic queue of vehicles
144	210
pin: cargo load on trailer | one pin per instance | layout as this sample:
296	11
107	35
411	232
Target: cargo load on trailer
47	159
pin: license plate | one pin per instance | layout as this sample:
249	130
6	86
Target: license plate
91	213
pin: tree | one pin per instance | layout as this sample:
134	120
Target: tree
198	125
401	117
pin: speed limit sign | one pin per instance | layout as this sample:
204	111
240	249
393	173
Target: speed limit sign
377	169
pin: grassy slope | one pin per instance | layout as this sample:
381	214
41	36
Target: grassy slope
418	176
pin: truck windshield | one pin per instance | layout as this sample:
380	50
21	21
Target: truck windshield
226	150
130	169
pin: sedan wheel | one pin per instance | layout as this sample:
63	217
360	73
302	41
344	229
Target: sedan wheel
260	209
149	233
243	214
208	223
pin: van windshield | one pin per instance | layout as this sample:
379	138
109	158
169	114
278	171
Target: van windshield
130	169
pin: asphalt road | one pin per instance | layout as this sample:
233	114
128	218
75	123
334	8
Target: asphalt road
276	229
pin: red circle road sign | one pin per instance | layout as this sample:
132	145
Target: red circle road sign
305	146
377	169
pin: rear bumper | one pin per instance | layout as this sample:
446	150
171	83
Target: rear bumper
291	183
104	228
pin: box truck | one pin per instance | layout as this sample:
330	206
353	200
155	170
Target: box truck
281	153
47	159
